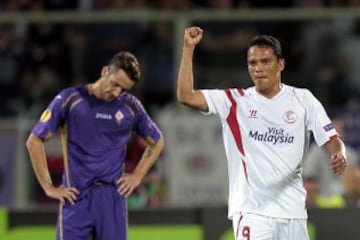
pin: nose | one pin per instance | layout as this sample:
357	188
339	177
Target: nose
258	67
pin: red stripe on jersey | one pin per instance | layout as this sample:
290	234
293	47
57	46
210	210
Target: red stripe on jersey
241	91
245	170
233	122
238	226
336	136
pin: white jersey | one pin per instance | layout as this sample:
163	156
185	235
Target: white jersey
265	141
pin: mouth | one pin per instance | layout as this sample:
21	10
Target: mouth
260	78
108	97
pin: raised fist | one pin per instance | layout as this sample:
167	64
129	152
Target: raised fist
193	36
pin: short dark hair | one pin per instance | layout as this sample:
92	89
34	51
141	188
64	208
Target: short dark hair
268	41
128	62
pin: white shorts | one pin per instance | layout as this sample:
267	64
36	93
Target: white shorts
257	227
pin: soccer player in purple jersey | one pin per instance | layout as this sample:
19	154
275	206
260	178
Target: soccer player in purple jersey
94	122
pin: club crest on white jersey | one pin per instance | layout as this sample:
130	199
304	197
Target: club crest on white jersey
290	116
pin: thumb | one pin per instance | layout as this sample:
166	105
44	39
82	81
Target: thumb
334	156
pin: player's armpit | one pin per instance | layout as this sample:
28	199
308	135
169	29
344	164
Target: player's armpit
195	100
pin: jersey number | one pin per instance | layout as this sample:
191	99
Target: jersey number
246	232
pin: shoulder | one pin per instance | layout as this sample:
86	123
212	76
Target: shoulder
132	101
303	94
239	93
67	96
231	92
248	91
130	98
70	92
297	90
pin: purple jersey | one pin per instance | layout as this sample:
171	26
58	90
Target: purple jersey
94	133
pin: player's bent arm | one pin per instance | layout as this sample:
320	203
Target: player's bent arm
335	145
149	157
185	83
337	151
36	149
195	100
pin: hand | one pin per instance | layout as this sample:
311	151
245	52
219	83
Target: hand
62	193
338	163
127	183
192	36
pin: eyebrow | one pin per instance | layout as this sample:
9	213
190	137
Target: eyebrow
260	59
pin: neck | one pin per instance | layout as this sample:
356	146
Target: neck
270	92
89	89
93	89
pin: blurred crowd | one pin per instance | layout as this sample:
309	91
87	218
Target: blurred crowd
41	5
38	59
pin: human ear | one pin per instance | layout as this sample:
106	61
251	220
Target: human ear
104	71
282	64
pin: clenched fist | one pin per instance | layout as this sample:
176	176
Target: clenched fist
193	36
338	163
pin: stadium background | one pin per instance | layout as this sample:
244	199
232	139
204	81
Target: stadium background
48	45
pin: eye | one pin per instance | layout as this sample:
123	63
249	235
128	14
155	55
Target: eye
266	61
252	63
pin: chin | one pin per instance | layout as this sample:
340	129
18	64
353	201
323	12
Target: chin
260	87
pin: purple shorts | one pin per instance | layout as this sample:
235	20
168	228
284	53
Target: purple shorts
99	214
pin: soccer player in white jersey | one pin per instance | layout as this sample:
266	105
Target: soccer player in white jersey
265	132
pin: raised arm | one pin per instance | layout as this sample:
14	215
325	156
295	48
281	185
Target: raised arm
336	149
185	86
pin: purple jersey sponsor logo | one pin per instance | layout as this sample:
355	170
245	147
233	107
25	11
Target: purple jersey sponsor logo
103	116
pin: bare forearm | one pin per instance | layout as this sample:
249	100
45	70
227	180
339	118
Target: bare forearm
37	155
336	146
185	89
185	86
185	76
150	156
